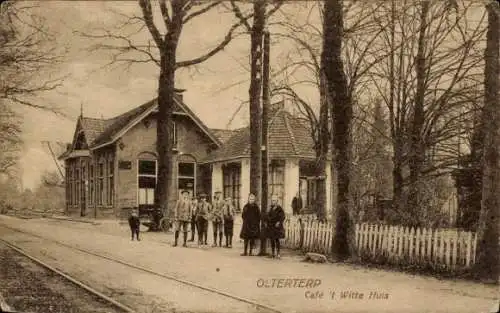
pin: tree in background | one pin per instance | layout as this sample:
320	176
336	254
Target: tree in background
488	256
166	34
428	84
26	56
360	31
27	59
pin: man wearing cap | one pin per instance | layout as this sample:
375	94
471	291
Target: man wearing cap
228	221
217	216
194	210
202	219
182	216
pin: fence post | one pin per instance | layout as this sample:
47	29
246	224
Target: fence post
454	251
474	246
468	249
448	248
411	235
301	234
418	243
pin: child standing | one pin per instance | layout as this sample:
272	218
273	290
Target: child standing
228	222
134	224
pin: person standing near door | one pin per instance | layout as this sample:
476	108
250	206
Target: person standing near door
297	204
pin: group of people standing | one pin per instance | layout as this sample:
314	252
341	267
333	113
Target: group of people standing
199	213
272	225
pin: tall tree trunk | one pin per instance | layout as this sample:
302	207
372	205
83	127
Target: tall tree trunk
322	150
266	103
397	160
331	59
166	89
417	151
259	8
488	258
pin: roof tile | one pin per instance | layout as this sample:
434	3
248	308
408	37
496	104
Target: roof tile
288	137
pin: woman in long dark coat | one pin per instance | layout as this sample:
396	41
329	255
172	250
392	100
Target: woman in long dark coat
275	228
250	230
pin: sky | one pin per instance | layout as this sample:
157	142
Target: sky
214	89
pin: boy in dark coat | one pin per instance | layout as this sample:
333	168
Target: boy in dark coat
134	223
250	230
194	210
275	228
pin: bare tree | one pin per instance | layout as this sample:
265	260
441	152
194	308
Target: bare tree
361	31
488	264
162	51
261	13
10	139
26	56
428	83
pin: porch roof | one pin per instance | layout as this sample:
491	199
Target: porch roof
289	137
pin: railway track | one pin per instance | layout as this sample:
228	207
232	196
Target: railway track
257	305
121	307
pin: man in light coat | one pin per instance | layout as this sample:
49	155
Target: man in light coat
217	217
182	217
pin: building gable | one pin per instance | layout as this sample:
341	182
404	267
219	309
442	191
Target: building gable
77	134
123	123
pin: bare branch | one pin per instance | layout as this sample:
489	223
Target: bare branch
240	16
148	19
164	13
218	48
201	11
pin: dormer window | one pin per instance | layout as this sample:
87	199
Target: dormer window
81	142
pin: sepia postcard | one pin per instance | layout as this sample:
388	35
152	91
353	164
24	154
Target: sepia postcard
229	156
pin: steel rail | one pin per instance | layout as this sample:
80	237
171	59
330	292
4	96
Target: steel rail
68	277
143	269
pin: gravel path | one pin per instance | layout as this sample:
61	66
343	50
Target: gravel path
241	275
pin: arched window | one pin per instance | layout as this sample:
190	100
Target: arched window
186	174
147	169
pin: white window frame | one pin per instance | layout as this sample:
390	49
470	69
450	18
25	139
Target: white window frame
110	193
145	175
187	177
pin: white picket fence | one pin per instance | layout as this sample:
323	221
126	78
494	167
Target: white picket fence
447	248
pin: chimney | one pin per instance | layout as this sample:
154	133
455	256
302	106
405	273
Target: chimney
179	93
275	107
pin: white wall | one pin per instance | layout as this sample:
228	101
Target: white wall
245	181
216	177
291	183
328	183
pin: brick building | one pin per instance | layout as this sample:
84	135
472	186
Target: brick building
111	163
